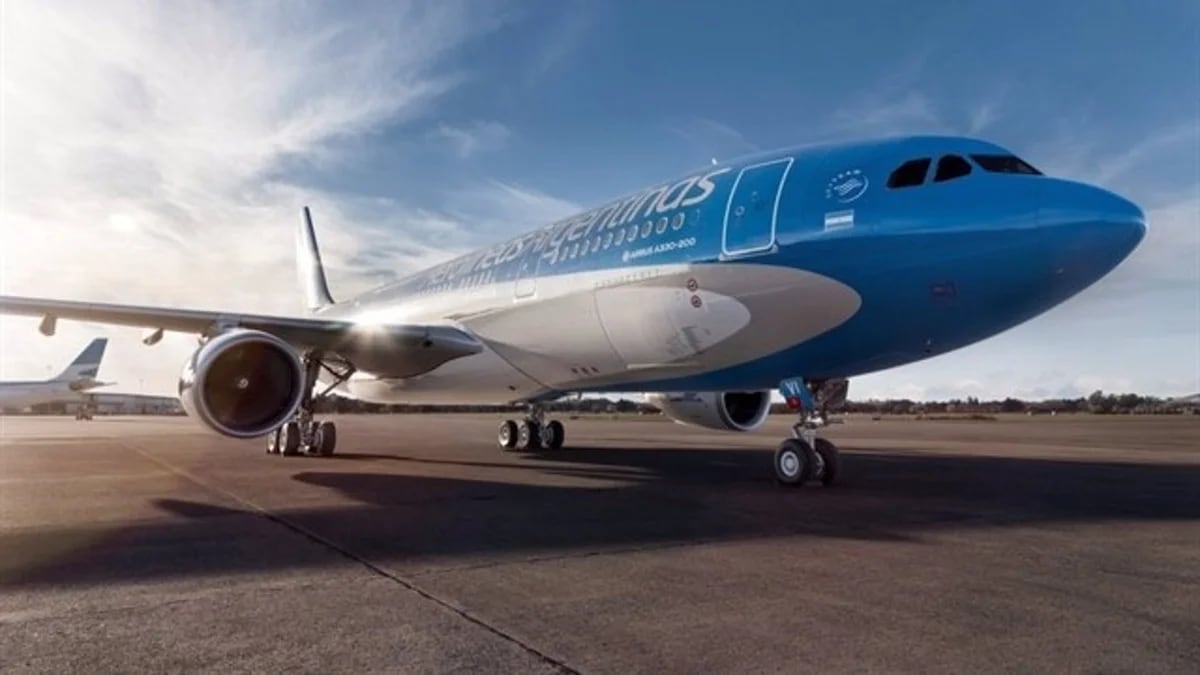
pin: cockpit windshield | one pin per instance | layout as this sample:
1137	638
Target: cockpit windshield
1004	164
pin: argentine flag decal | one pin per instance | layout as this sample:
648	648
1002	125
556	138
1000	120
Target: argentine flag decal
836	220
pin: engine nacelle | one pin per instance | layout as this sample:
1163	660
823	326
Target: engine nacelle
723	410
243	383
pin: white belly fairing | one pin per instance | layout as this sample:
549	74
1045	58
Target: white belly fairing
619	327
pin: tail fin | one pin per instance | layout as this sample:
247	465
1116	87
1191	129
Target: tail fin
308	266
87	364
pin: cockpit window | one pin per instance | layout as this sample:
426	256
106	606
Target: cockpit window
950	167
1004	164
909	173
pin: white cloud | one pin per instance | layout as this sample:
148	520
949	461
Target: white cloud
1183	136
713	136
982	117
553	51
505	208
887	114
474	138
143	149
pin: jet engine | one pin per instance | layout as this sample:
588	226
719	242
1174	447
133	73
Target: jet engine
242	383
726	411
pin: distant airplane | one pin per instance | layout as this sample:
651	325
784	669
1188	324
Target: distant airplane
793	269
69	386
1192	401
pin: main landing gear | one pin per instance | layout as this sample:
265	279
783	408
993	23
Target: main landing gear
805	457
531	433
303	434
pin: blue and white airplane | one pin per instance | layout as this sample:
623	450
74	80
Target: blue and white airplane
71	385
793	269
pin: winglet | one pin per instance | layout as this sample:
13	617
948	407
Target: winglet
308	266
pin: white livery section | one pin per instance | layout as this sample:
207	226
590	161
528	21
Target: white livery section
611	328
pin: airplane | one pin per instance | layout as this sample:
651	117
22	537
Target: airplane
68	386
794	270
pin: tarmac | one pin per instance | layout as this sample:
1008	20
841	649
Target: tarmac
1043	544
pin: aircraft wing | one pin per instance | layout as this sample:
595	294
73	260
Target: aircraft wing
387	350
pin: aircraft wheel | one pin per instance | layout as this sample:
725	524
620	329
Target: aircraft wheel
830	461
289	439
528	435
273	442
793	462
325	439
507	436
553	435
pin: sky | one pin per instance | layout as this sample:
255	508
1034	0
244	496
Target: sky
160	153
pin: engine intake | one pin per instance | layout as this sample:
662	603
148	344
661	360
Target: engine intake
726	411
243	383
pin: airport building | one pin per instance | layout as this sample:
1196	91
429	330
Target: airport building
107	404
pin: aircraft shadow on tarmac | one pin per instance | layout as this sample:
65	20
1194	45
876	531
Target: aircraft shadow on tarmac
644	498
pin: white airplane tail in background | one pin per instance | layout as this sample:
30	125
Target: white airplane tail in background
87	364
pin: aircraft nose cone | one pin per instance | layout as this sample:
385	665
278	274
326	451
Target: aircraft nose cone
1132	217
1109	222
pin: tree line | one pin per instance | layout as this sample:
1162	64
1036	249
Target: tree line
1098	403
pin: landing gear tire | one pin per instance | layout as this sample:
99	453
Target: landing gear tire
529	435
806	457
289	439
507	435
532	433
302	433
829	459
553	435
793	462
325	439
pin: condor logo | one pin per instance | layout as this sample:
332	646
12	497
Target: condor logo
846	186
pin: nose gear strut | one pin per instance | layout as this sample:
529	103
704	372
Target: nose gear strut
805	456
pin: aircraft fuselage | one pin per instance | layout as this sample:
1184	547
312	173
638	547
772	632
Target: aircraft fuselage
815	262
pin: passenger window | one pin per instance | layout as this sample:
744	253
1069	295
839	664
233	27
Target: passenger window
662	225
677	221
909	173
950	167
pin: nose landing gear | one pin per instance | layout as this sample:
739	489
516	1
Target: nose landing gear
805	457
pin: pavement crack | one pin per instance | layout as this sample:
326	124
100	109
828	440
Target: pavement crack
375	568
409	585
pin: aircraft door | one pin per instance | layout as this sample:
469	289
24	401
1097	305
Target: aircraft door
525	282
753	207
